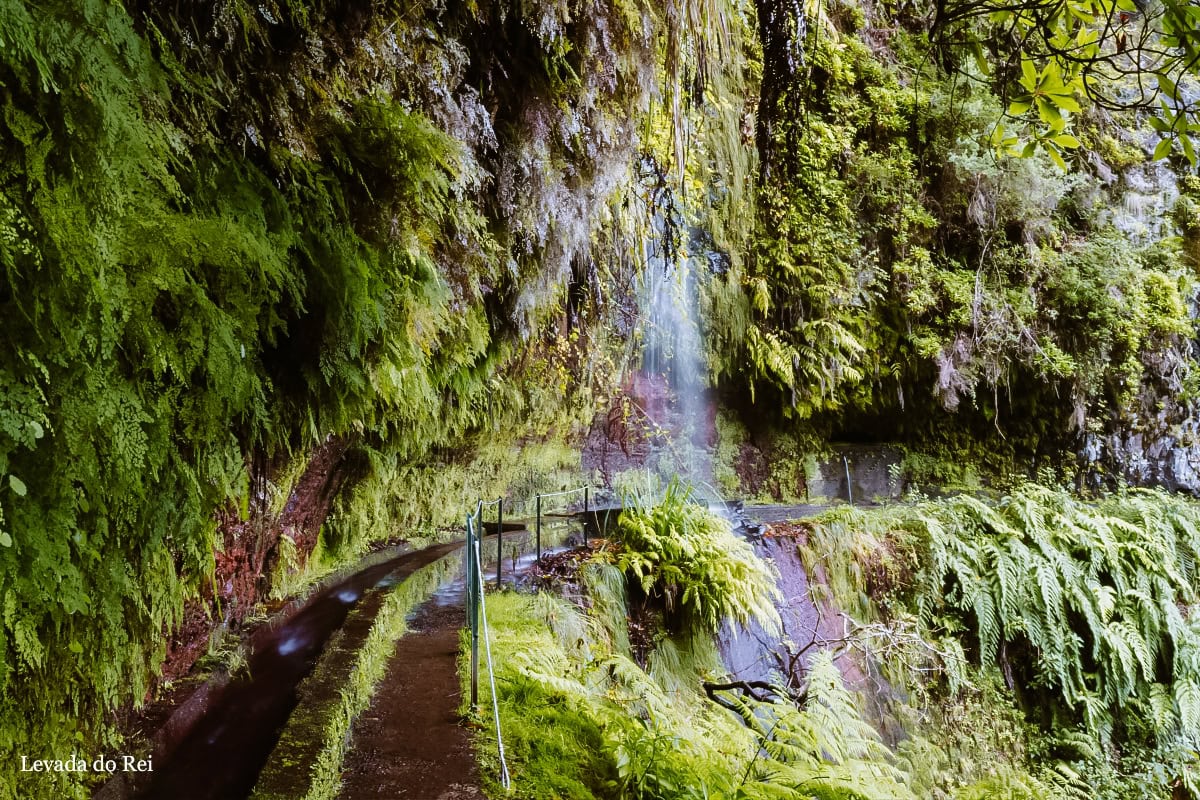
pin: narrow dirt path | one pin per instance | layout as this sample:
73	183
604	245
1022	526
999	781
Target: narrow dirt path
409	744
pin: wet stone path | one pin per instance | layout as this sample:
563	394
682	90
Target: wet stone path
411	744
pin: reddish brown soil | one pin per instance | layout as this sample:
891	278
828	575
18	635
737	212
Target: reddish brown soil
310	501
410	744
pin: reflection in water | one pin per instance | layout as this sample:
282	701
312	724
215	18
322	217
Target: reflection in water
223	752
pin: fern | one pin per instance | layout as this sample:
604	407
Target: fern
689	558
1083	598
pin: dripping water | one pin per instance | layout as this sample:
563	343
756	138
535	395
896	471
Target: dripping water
673	381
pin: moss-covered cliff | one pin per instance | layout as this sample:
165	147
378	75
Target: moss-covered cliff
288	278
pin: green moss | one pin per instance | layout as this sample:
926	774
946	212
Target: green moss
581	720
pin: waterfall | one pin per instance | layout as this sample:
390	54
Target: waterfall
672	382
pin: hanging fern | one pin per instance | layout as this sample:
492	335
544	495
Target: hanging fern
1087	599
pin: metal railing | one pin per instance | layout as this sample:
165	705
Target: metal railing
476	618
587	490
474	561
476	610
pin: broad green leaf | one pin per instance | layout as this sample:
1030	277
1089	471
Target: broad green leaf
1066	140
1188	149
1049	114
1167	86
5	539
981	59
1020	107
1067	102
1163	148
17	485
1029	77
1159	124
1057	158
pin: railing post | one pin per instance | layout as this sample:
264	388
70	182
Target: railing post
467	564
538	529
473	613
586	491
499	538
849	488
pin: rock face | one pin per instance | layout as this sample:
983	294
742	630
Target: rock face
858	473
1155	440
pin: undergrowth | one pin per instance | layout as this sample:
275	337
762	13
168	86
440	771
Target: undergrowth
686	557
580	719
1082	607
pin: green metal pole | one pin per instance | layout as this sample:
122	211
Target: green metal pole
473	576
467	578
499	538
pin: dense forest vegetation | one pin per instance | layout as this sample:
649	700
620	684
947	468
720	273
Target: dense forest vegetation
281	281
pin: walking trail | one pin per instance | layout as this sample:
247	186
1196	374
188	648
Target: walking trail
411	744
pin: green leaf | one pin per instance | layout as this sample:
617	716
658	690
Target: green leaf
1188	149
1167	86
1057	158
981	60
1067	102
1159	124
1050	114
17	485
1029	75
1020	106
5	539
1162	150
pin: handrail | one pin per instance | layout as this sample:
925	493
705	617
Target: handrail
476	608
565	491
499	503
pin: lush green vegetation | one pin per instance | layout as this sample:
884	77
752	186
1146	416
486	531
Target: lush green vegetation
584	717
906	283
401	244
1082	608
685	557
207	275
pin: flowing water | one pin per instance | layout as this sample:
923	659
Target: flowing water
673	378
234	727
1147	192
673	359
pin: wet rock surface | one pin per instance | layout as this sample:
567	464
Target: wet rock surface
1155	440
